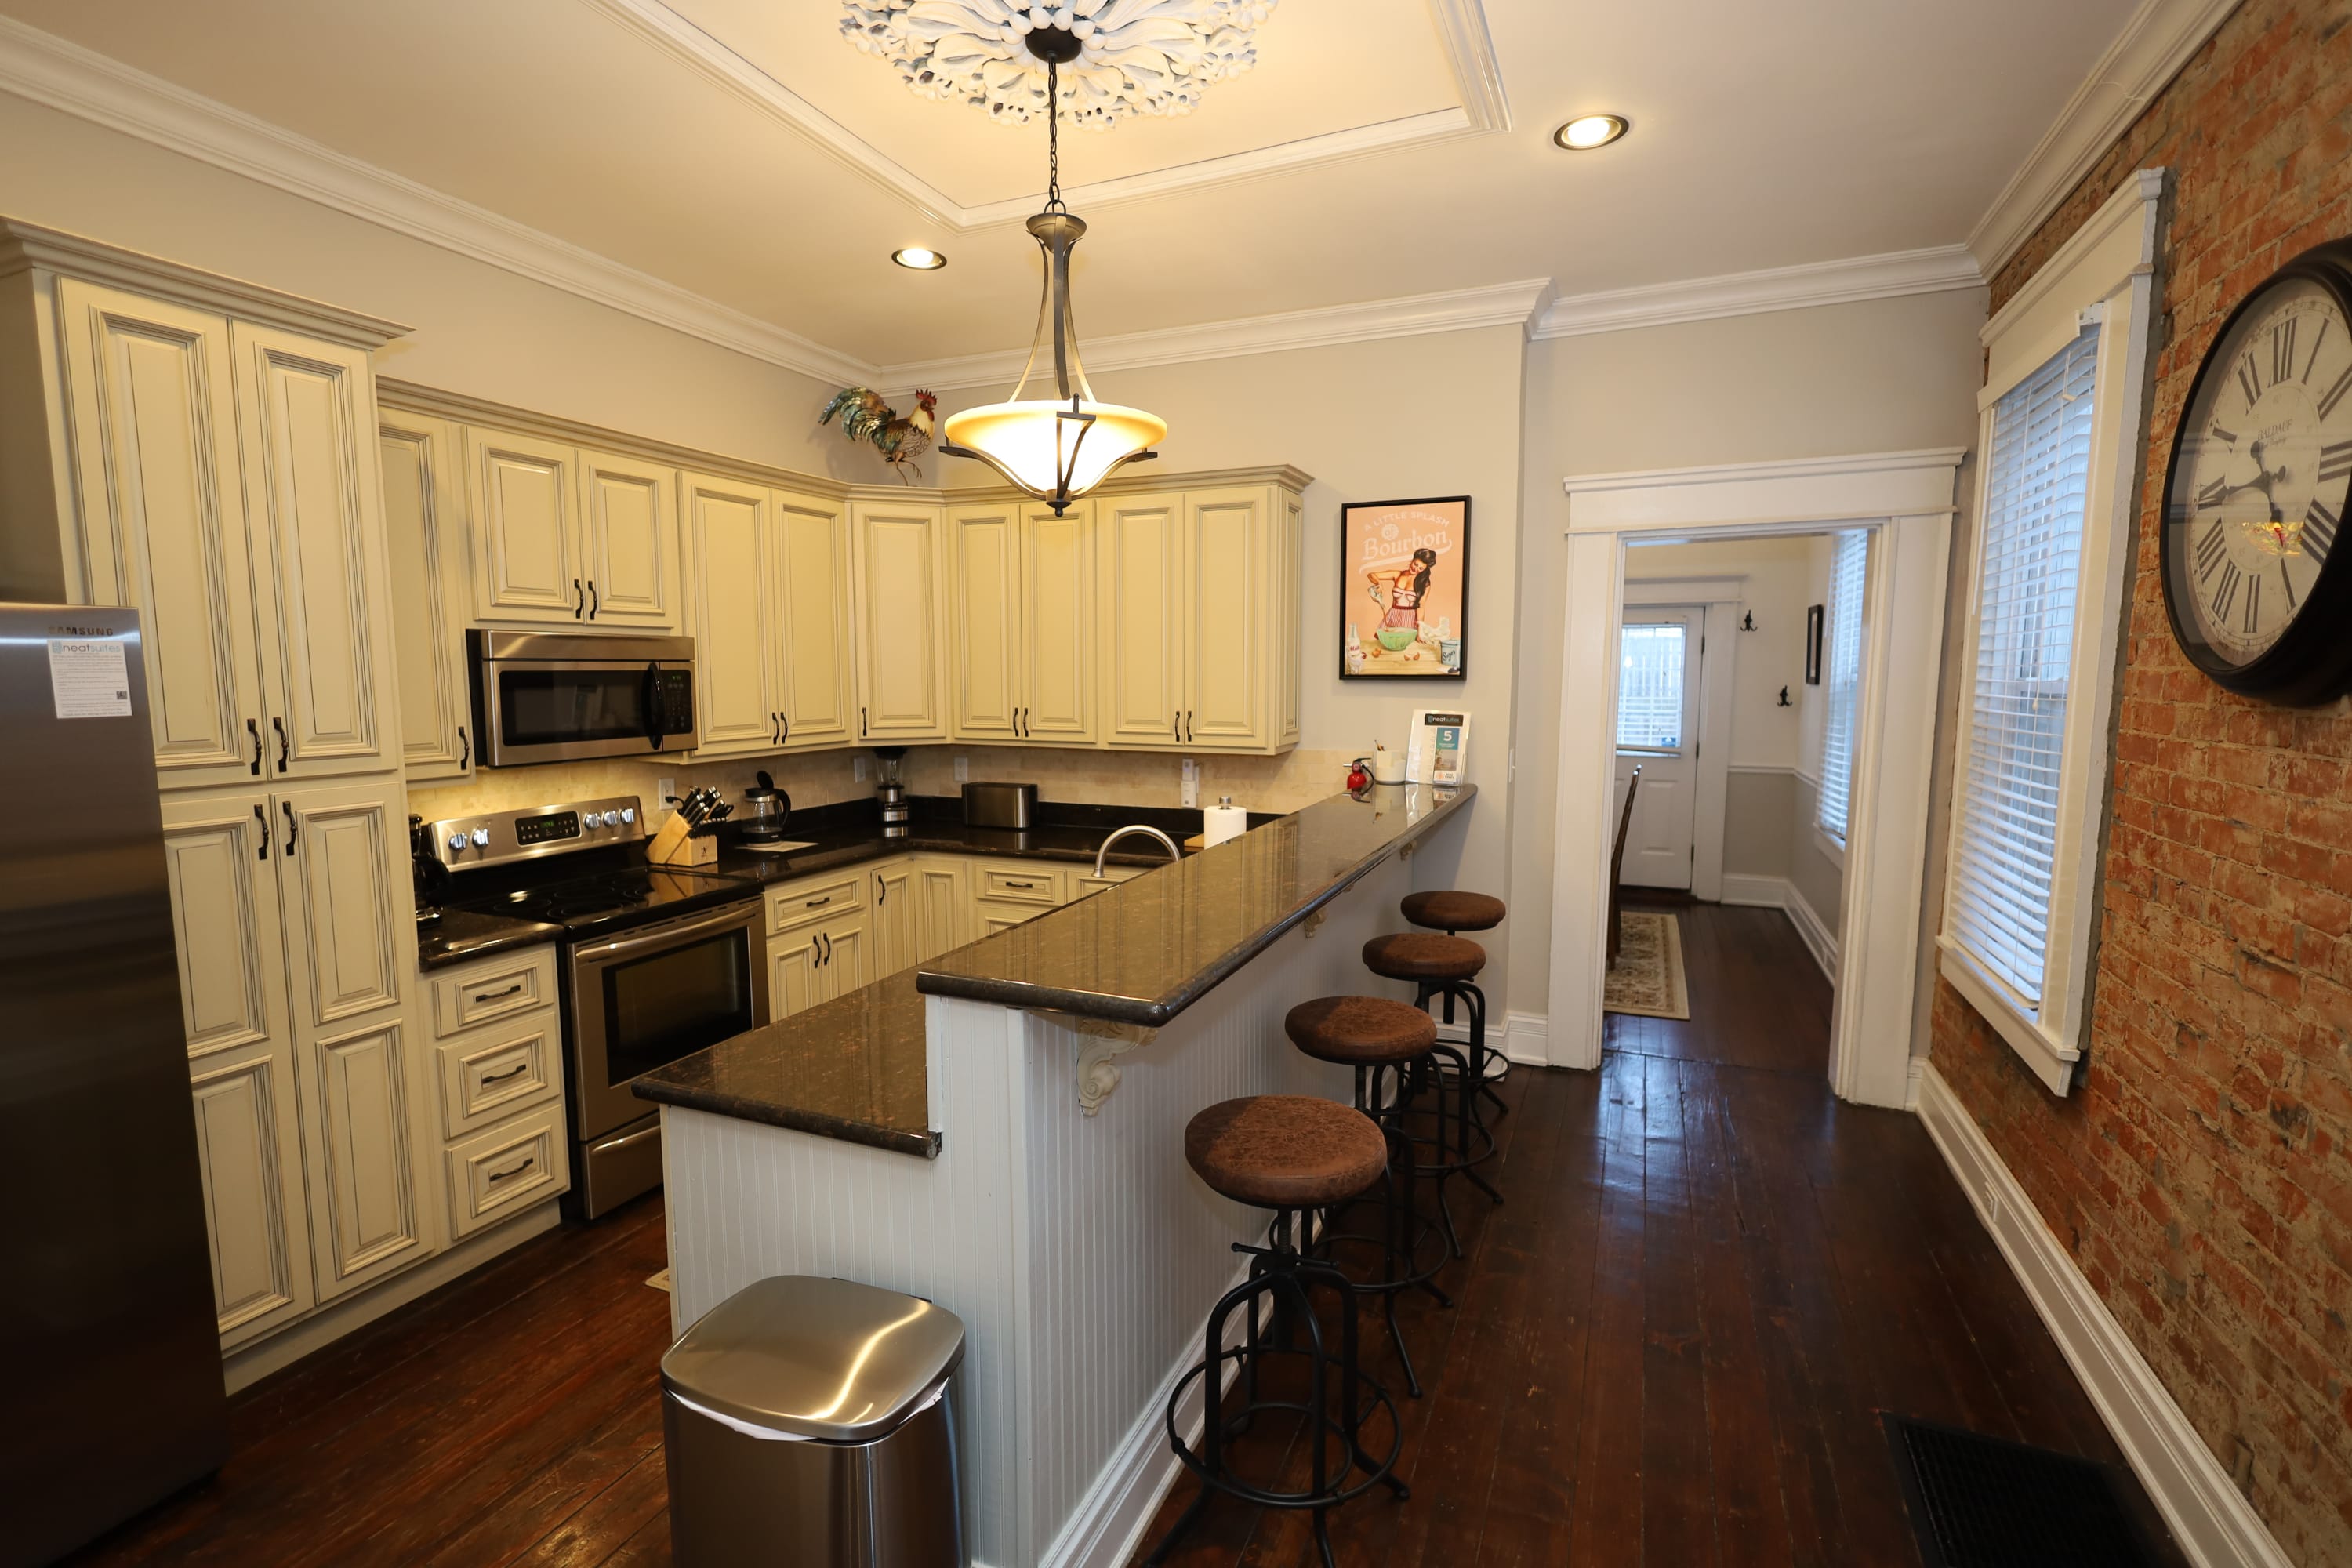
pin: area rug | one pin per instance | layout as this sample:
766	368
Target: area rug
1647	979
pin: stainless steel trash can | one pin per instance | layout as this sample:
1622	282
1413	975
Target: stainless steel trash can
811	1424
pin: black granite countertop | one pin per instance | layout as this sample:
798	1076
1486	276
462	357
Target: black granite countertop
1140	952
444	937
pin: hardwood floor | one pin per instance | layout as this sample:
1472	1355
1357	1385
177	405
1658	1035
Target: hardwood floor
1669	1348
1671	1343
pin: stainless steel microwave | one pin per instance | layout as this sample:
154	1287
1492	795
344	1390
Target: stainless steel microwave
553	697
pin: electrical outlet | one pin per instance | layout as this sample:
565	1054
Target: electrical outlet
857	770
964	770
667	787
1191	782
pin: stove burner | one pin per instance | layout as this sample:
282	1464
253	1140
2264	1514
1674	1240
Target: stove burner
600	896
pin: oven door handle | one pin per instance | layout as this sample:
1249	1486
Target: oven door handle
743	913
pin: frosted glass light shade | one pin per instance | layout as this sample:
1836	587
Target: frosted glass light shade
1031	444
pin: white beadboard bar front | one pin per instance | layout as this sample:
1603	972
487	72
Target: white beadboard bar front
1080	1251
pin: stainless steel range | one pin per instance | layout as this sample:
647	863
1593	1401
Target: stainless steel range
656	964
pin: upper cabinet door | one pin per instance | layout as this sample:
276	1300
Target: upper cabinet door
631	516
901	624
984	621
1228	604
153	413
819	691
731	603
313	503
1141	619
423	501
1059	669
526	520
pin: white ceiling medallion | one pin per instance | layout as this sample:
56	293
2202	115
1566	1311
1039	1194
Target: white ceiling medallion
1134	57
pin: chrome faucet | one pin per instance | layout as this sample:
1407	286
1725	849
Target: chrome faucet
1173	853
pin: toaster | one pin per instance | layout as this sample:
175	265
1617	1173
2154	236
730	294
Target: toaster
1013	805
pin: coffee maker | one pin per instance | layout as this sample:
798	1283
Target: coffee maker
890	792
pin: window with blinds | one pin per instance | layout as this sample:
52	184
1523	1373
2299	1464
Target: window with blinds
1650	688
1841	678
2006	832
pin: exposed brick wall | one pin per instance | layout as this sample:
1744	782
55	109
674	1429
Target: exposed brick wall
2202	1177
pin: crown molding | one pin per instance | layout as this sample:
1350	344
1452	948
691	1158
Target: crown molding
23	246
2146	56
64	76
1454	310
1461	25
1932	271
1920	460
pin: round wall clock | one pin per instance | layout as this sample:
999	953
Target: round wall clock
2258	488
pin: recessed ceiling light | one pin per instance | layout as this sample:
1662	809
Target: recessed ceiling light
1587	132
921	258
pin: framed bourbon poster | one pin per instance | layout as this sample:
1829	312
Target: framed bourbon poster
1404	588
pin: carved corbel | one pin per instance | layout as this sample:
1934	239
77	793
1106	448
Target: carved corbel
1101	1041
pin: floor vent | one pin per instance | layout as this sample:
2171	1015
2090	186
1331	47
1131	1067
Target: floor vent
1981	1502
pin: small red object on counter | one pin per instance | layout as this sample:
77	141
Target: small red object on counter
1357	779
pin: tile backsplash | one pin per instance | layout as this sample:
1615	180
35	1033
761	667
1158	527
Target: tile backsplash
1282	783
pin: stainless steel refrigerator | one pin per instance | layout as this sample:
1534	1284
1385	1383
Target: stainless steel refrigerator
110	1395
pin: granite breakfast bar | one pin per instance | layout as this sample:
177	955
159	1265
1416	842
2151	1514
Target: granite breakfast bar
1001	1132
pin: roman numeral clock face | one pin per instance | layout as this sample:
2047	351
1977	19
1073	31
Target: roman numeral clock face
2257	495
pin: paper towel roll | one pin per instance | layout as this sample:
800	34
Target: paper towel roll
1223	821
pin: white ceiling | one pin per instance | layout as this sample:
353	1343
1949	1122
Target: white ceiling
741	150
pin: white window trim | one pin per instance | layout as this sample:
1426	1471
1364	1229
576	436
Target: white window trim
2108	269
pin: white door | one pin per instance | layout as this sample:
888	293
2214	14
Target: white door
1657	732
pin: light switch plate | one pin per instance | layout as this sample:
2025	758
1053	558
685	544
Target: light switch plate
666	786
964	770
857	770
1191	782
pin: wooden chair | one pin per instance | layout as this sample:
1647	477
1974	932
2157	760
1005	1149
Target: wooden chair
1617	868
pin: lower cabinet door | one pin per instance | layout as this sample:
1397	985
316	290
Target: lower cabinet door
356	1128
793	964
848	959
250	1150
944	908
895	919
995	915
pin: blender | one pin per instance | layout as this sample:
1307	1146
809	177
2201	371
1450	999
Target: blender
890	792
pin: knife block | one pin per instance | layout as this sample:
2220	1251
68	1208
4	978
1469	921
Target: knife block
677	844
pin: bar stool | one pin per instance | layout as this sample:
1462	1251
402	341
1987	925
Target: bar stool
1291	1153
1443	966
1453	912
1381	1039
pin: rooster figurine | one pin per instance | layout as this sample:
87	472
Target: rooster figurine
865	417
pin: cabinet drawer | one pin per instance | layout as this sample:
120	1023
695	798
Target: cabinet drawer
818	898
994	915
496	1072
1020	885
507	1168
495	988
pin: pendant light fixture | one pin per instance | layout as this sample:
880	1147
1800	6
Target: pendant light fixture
1056	448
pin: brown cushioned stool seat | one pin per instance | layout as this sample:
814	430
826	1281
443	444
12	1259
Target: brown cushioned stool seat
1447	910
1420	955
1286	1151
1360	1031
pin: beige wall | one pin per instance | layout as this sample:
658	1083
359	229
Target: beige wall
477	329
1879	375
1377	421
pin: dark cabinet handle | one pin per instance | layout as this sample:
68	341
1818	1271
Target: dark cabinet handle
495	995
1187	726
788	730
285	744
254	730
594	604
862	727
515	1071
262	817
464	748
287	807
818	903
513	1171
881	891
579	600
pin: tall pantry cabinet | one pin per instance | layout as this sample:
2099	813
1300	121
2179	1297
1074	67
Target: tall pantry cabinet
206	451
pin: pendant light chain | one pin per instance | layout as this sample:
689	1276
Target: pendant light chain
1054	202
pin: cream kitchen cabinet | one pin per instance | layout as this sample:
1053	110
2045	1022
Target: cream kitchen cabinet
897	566
292	914
816	682
563	536
769	608
944	917
1022	618
818	961
226	479
896	925
423	462
1140	612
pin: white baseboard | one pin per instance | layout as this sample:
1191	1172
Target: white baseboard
1106	1527
1525	1038
1779	893
246	1367
2213	1522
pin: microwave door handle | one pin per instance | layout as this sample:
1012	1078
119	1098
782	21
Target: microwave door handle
656	721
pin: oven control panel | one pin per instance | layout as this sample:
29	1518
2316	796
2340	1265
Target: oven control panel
500	835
